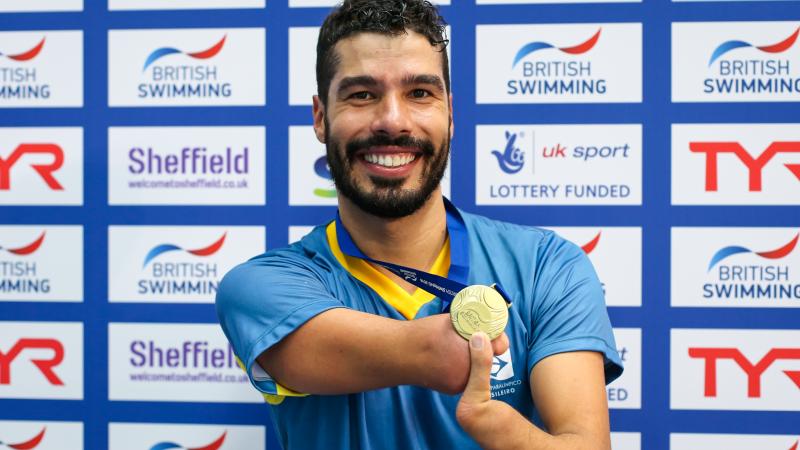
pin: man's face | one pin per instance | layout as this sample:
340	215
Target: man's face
387	123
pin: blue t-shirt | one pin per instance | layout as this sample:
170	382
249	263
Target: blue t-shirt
557	307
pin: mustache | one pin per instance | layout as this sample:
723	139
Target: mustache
422	145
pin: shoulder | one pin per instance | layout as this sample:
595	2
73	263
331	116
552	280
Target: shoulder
306	261
531	240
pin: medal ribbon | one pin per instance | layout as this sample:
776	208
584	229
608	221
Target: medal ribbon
444	288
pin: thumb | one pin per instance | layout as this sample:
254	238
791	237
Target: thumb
478	387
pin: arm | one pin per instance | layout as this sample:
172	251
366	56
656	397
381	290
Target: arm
342	351
568	389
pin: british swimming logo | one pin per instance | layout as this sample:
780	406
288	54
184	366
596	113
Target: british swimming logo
165	248
30	444
26	249
202	54
512	159
589	247
172	445
26	55
41	69
578	49
744	267
323	171
778	47
562	63
735	61
729	251
190	67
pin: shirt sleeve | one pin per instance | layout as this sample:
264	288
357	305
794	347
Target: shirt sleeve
262	301
568	309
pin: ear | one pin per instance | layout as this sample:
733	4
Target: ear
318	111
452	124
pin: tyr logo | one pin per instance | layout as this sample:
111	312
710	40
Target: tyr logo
44	170
754	165
44	365
753	371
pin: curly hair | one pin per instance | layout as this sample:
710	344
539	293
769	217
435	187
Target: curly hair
391	17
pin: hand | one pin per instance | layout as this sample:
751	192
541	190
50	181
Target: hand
447	360
477	398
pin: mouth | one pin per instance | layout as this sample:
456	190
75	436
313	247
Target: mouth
389	161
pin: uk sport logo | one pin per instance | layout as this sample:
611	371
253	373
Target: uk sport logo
202	54
172	445
29	444
26	55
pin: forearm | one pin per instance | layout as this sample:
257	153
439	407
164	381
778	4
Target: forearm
343	351
498	426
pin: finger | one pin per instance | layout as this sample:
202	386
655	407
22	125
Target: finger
478	385
500	344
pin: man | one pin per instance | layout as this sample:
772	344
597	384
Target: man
352	356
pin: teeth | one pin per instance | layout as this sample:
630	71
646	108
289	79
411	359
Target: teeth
389	160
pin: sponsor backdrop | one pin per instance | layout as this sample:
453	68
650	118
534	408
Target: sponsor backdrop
148	146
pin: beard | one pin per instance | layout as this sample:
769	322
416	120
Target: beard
387	199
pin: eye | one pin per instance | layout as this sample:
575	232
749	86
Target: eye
420	93
361	95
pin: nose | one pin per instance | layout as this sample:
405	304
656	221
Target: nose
392	116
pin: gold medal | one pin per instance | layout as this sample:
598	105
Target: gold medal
479	308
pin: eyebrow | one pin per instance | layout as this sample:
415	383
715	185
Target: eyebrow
369	81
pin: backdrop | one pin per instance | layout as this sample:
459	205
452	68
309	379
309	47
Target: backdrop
148	146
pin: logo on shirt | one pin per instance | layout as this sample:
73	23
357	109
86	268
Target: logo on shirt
503	370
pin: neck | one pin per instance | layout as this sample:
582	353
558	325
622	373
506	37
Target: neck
412	241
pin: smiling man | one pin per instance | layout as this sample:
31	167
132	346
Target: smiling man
336	331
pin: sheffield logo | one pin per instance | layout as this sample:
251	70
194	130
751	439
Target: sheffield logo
323	171
512	159
30	444
184	81
45	171
713	150
171	445
753	370
45	366
559	77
